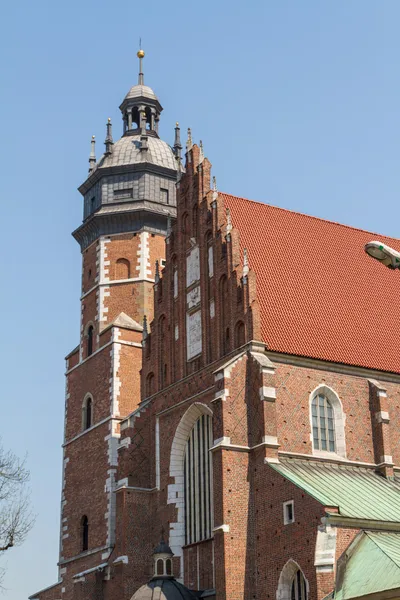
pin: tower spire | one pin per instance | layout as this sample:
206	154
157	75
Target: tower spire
140	56
92	157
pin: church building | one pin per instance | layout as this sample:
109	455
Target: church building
232	409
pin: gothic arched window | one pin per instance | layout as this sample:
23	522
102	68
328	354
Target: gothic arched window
85	533
197	481
90	340
299	589
323	424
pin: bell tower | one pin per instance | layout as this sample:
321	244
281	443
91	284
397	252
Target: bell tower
128	202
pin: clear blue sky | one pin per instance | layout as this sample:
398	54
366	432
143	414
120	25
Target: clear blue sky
297	104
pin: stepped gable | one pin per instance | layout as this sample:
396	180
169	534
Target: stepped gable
320	295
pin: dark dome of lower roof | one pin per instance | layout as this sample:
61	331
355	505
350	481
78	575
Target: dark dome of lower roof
163	589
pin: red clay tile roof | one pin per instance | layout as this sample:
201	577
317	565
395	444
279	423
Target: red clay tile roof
320	295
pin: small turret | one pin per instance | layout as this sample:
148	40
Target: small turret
162	556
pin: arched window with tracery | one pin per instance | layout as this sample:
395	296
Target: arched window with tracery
87	416
197	481
323	424
122	269
327	421
84	533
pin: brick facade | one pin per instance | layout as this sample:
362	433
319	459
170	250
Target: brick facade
202	354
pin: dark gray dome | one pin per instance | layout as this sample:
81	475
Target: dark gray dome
127	152
163	589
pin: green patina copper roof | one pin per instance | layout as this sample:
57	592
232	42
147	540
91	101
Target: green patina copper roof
371	565
357	492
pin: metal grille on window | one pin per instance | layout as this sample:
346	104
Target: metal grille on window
198	482
298	587
323	424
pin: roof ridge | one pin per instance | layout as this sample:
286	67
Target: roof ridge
295	212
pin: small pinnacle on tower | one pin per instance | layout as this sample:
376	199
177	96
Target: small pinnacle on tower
177	143
109	138
201	154
140	56
215	191
92	157
228	221
245	263
157	274
189	142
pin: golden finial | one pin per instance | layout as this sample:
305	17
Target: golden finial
140	54
177	124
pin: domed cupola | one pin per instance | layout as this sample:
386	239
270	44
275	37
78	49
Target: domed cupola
132	186
141	108
163	585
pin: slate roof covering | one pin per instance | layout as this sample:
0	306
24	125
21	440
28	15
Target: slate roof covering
357	492
372	567
141	91
127	152
320	295
163	589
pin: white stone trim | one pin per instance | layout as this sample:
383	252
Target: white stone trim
224	528
157	436
121	559
325	547
176	471
267	393
339	418
143	263
382	416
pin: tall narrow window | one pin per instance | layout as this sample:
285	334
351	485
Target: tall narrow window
90	340
197	479
87	413
299	590
323	424
85	533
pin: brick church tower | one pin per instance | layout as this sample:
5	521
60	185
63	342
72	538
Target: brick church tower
129	195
